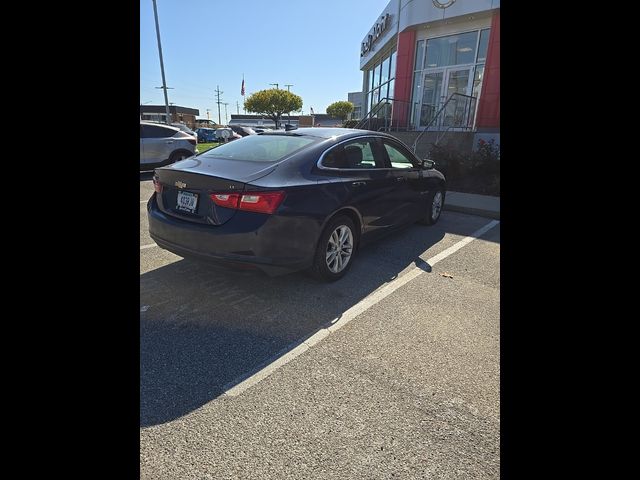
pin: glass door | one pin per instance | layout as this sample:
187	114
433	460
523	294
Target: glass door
456	113
437	86
432	83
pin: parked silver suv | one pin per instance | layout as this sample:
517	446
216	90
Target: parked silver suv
163	144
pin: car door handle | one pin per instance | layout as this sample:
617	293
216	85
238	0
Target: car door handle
400	179
358	184
169	142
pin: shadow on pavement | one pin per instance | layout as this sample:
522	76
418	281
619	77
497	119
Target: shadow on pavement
202	328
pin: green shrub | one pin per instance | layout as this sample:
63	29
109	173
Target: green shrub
473	172
350	123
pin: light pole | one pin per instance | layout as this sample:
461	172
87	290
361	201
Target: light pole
226	118
276	84
164	82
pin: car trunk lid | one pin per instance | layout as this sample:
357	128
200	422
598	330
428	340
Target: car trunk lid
184	188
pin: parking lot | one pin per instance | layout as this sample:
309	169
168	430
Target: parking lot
391	372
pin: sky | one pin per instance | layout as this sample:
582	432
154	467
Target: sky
312	45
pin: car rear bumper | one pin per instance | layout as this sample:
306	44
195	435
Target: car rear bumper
248	241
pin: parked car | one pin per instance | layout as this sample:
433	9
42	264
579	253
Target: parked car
206	135
161	144
242	131
226	134
286	201
185	129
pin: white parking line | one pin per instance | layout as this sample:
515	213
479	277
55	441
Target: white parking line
235	388
151	245
144	201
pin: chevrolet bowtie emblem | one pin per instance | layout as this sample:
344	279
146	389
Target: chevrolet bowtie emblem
180	184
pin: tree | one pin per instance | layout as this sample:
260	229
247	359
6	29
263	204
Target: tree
273	103
340	109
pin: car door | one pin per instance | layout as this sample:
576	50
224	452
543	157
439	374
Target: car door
358	166
158	143
408	175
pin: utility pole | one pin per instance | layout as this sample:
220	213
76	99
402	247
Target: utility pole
164	82
237	108
288	85
208	117
218	93
226	118
276	84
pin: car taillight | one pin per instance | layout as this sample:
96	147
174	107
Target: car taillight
229	200
192	141
261	202
157	186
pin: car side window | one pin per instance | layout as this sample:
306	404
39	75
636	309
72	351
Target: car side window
361	154
155	131
397	158
334	158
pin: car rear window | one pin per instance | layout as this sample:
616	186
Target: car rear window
261	148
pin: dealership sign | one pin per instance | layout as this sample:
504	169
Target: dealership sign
377	30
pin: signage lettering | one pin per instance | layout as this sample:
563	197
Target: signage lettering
377	30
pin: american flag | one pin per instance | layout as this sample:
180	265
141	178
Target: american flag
242	89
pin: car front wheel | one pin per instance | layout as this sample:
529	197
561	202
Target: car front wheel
435	203
335	250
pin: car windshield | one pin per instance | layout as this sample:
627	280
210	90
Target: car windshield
261	148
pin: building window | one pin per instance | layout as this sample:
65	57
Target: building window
444	66
380	80
482	46
451	50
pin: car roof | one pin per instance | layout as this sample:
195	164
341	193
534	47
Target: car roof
158	124
328	132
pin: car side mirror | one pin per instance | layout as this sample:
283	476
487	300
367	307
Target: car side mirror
428	163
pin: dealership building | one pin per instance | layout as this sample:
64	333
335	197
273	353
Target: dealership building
435	65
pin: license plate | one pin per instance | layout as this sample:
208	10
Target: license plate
187	202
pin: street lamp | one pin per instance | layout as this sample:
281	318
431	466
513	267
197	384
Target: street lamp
276	84
164	82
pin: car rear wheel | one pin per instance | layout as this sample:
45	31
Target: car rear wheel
179	155
435	202
335	250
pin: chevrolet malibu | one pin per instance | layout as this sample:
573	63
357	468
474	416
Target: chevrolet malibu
286	201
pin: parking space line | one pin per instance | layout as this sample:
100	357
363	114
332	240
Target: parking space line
151	245
144	201
235	388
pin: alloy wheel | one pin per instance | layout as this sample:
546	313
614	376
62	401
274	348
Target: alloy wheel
339	249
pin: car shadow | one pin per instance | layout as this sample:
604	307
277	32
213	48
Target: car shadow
202	328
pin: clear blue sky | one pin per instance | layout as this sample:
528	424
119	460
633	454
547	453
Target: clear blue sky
314	45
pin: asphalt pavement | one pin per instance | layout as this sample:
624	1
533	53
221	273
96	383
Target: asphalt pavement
409	388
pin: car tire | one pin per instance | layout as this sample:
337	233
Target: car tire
435	204
179	155
338	237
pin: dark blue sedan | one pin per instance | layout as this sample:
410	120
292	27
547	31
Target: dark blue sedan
286	201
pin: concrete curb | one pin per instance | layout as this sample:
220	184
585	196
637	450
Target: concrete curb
482	205
473	211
